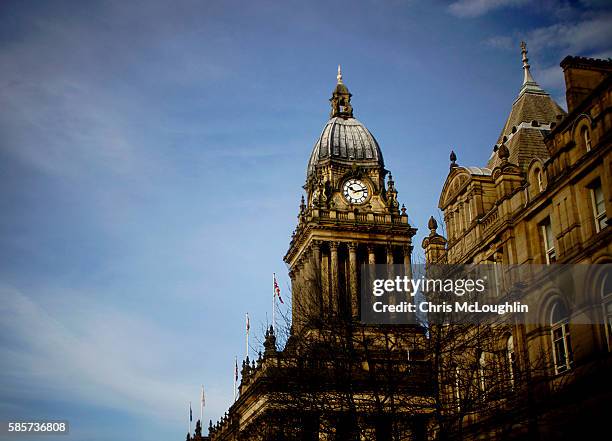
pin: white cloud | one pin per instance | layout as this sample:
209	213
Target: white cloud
85	353
590	36
476	8
592	33
501	42
551	78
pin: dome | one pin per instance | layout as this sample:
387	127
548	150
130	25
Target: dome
345	140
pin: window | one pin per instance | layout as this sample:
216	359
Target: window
549	244
586	136
540	180
599	206
511	359
608	312
561	342
606	294
481	371
456	390
497	261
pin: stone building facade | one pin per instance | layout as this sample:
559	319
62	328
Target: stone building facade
542	197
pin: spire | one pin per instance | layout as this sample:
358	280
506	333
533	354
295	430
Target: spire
341	99
529	84
527	78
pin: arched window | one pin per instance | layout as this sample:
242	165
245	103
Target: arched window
540	180
606	294
586	136
511	359
563	357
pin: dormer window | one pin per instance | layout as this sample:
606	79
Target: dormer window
540	180
586	136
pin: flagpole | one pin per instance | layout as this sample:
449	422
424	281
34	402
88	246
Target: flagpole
235	375
248	326
273	303
202	406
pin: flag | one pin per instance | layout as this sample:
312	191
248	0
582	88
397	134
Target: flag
248	323
277	290
190	413
202	398
236	371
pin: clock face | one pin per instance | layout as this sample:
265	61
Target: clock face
355	191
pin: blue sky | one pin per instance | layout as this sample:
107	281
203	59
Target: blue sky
151	162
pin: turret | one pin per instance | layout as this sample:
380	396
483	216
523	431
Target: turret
434	244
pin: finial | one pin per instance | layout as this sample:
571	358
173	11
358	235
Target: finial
524	52
432	225
527	73
453	159
339	75
403	210
529	84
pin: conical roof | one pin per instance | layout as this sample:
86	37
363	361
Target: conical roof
528	122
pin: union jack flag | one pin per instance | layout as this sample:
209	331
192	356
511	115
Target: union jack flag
277	290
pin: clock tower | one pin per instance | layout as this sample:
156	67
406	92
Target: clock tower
338	377
350	216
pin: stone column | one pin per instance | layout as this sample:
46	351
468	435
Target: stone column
371	272
391	270
389	254
325	283
407	250
307	286
317	279
334	274
297	299
353	280
294	290
371	255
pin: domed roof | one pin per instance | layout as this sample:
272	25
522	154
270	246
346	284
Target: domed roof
346	140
